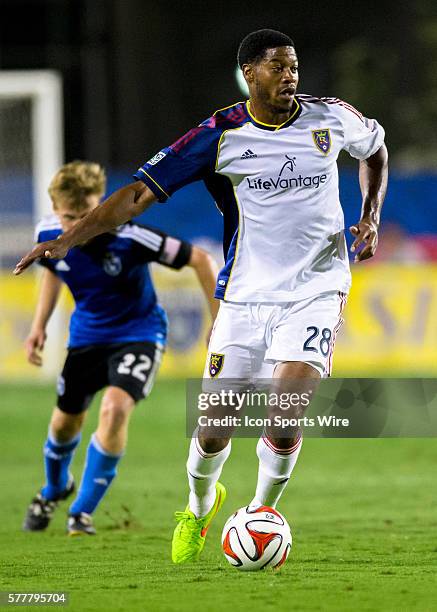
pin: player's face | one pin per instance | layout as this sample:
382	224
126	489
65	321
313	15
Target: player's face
273	80
69	215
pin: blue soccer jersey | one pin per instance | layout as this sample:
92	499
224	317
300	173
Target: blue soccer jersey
109	279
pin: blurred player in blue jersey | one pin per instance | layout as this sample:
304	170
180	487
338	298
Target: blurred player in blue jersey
117	337
271	165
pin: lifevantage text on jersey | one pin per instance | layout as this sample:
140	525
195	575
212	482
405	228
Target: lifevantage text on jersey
286	183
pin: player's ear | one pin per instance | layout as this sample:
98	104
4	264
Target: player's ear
248	73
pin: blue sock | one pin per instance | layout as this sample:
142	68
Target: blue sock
99	471
57	459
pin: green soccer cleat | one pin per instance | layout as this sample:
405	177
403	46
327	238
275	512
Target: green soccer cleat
190	533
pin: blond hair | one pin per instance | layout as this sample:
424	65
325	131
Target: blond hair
75	181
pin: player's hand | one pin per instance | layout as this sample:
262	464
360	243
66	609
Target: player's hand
34	344
366	233
53	249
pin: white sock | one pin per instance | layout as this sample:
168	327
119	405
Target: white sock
203	471
275	467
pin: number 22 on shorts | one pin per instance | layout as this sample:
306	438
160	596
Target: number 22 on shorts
126	366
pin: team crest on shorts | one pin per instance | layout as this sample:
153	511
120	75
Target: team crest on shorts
322	140
216	361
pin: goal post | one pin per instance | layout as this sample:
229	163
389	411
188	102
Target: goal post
43	88
31	151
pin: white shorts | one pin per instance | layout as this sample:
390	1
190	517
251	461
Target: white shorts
249	339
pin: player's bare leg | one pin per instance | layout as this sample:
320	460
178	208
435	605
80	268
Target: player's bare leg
104	452
64	427
115	412
63	438
278	455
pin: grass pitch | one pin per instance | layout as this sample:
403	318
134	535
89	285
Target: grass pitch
363	515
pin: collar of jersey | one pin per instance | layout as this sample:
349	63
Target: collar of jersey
296	111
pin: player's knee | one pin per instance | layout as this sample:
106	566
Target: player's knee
113	414
284	443
65	426
212	445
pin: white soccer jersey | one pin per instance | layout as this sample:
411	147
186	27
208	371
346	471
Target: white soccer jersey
277	188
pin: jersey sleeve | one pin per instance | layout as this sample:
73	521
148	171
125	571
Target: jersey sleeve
154	245
362	136
187	160
175	253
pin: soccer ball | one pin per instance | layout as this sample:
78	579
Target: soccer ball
255	539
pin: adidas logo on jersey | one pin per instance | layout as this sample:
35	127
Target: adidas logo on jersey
248	154
61	266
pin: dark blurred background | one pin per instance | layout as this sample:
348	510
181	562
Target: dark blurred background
138	73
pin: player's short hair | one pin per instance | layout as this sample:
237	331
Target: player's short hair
253	47
75	181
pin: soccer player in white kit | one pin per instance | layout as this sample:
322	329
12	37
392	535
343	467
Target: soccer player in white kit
271	165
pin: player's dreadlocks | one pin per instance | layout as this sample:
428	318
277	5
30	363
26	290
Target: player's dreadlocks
254	45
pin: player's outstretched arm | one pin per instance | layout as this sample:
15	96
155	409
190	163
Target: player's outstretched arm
373	184
121	206
49	290
206	270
